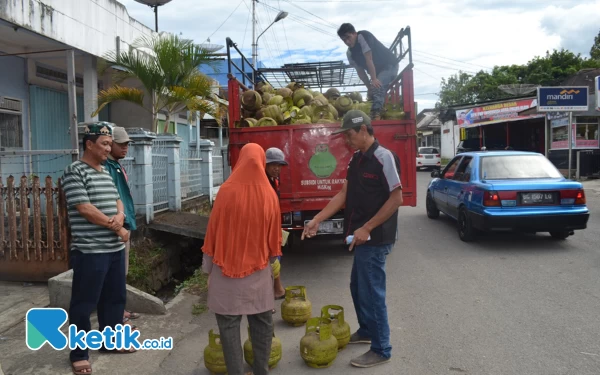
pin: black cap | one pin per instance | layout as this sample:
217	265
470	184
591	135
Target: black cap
352	119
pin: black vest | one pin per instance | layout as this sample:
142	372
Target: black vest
383	58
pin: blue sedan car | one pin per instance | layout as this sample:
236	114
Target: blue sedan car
507	191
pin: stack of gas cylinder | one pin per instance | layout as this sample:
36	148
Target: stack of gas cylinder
324	335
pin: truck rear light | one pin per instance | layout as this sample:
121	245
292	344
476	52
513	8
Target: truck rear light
491	199
573	196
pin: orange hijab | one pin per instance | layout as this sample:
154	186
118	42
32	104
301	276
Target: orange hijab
244	229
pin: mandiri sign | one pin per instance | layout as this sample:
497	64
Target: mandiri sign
559	99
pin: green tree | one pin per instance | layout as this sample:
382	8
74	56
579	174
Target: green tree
167	67
595	51
548	70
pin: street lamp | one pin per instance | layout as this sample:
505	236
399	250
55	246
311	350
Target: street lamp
281	15
154	4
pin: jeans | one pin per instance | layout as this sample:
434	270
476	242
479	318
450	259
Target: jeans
261	335
98	283
367	285
385	77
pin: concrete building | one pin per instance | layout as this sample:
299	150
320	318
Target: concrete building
44	45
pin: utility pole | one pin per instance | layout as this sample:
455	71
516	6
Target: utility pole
254	44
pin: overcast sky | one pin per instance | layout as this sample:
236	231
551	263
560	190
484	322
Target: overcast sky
447	35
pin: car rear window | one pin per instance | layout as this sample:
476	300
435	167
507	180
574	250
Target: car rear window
508	167
428	151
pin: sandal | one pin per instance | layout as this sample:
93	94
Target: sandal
118	351
78	370
132	315
128	322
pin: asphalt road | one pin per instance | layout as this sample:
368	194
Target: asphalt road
505	304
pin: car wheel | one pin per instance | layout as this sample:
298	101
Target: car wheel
560	234
466	232
432	211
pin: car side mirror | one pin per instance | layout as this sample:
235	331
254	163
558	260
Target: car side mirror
435	173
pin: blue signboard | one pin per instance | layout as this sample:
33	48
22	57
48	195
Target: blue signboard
553	99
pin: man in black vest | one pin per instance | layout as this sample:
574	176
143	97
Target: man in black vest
368	55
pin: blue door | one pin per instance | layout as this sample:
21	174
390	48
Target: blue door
440	191
458	186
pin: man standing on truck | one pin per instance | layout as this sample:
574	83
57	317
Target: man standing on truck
368	55
371	194
275	160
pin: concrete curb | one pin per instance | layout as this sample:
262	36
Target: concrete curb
59	288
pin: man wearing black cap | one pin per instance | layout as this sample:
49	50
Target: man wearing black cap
96	216
371	194
368	55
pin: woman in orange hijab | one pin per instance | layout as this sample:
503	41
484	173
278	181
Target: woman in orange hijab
242	239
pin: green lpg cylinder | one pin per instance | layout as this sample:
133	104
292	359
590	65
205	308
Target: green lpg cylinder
274	357
339	327
296	309
214	359
318	347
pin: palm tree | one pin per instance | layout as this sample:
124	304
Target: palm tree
167	67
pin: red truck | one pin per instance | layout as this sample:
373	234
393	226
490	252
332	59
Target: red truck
318	161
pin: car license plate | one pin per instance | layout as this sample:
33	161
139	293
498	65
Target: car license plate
428	156
537	198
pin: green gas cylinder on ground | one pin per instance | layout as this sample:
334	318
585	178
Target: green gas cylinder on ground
318	347
296	309
214	359
339	327
274	357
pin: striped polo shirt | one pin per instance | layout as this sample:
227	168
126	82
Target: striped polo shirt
84	184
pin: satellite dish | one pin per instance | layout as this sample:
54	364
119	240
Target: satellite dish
211	47
153	3
518	88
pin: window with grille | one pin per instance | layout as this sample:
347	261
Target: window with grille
11	124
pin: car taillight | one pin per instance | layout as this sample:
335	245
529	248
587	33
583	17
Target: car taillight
491	199
438	156
572	196
420	156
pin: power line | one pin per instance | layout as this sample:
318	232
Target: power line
445	67
312	14
418	70
275	36
228	17
246	29
284	31
459	61
304	21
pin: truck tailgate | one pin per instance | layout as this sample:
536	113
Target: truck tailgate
318	161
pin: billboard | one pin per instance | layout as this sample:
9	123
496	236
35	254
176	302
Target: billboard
555	99
495	113
598	93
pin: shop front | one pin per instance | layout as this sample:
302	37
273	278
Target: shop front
501	126
585	129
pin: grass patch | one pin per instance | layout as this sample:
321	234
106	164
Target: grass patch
445	161
196	284
141	261
199	308
205	208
